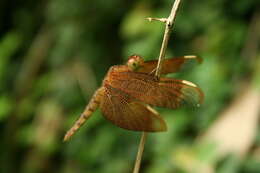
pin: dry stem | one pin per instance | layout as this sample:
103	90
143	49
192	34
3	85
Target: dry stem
168	26
140	152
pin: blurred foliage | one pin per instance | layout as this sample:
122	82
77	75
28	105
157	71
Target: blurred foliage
54	54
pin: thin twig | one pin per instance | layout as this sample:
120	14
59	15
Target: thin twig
140	152
168	26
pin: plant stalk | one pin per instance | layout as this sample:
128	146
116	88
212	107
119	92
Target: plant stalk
168	27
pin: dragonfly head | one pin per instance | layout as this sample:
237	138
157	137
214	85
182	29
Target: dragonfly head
134	62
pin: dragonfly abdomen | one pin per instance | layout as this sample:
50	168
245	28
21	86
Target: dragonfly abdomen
91	107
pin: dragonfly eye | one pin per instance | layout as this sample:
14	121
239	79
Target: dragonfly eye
134	62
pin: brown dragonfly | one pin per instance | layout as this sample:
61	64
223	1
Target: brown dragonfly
128	91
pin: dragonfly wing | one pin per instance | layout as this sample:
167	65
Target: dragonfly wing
119	108
170	65
163	92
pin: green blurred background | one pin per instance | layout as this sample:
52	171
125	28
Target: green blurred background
54	54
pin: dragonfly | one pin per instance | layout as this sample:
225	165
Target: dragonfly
129	91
